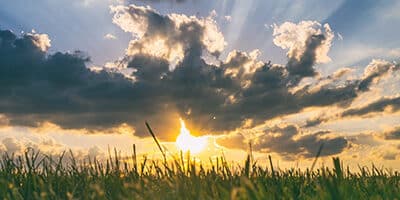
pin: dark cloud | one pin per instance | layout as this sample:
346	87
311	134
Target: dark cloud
222	97
291	143
386	104
377	106
375	71
307	43
168	36
37	87
316	121
364	139
393	134
59	88
304	67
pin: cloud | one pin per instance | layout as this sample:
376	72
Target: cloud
365	139
387	152
167	36
341	72
392	134
42	41
374	144
48	147
340	37
300	38
36	87
383	105
373	73
110	36
317	120
307	43
12	145
376	70
390	104
235	141
39	87
290	142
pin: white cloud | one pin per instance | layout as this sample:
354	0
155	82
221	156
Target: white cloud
213	14
166	36
40	40
110	36
340	36
378	69
294	37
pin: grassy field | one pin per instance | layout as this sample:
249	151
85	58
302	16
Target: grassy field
35	176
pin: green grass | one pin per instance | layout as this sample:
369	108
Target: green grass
34	176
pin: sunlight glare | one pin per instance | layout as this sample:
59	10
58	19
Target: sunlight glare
187	142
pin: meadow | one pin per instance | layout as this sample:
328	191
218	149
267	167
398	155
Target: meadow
37	176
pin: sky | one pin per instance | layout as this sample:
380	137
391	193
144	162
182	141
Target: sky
285	76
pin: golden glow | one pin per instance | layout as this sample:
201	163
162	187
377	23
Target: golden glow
186	142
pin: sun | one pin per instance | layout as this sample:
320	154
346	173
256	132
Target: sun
187	142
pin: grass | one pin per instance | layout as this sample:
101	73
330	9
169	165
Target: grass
36	176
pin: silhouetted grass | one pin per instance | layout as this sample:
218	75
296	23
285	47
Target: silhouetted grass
35	176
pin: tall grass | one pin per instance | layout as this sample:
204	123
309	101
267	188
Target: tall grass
36	176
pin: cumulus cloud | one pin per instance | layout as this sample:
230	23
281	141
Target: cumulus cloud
36	87
392	134
307	43
110	36
376	70
12	145
373	144
341	72
39	87
387	152
317	120
383	105
298	38
389	104
169	37
42	41
48	148
288	140
234	141
291	142
373	73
